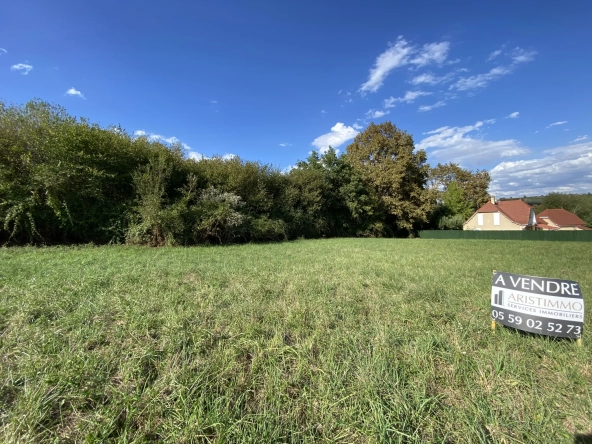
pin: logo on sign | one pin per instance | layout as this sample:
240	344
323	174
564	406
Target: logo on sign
499	298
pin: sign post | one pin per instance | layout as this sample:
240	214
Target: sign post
546	306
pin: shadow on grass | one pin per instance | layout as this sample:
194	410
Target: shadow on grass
583	439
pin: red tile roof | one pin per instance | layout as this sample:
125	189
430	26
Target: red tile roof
488	208
543	225
562	217
516	210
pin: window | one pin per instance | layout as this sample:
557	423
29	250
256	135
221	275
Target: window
496	218
480	219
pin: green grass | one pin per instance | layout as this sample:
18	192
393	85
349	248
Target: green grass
341	340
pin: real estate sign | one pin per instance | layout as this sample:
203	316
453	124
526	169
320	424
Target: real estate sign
546	306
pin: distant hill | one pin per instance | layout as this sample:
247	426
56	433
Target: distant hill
530	200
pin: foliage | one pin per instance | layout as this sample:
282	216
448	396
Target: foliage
386	159
473	185
351	207
66	180
459	192
217	217
62	179
455	203
454	222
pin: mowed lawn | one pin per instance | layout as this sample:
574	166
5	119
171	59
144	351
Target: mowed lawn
339	340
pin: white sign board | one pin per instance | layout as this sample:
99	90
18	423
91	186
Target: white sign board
546	306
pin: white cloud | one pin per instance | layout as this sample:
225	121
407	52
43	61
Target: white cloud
214	101
22	67
398	55
580	138
375	114
229	156
339	134
288	169
536	131
494	54
557	123
432	53
390	102
285	144
430	79
395	56
409	97
514	115
357	126
520	55
3	51
140	133
323	112
564	169
431	107
454	144
480	80
74	92
427	77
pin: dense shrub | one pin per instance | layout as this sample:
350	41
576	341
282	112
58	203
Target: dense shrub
454	222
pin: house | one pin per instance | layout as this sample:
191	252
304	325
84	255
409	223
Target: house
559	219
503	215
543	225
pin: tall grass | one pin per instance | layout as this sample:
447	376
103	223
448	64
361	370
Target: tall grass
341	340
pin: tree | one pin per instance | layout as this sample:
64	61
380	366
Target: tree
351	208
473	185
455	202
386	158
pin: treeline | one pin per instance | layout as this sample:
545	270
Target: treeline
66	180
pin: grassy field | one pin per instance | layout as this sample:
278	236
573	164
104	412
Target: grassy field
341	340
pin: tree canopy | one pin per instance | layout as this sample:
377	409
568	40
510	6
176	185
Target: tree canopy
387	159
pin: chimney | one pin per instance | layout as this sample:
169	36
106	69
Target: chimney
492	199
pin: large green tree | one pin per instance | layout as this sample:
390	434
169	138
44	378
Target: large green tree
386	158
474	185
351	208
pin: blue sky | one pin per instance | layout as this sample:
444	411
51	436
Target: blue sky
502	86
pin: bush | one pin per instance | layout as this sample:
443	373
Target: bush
451	222
217	219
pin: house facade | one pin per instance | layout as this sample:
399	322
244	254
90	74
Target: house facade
559	219
503	216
